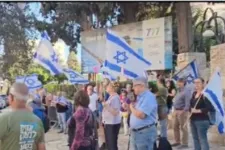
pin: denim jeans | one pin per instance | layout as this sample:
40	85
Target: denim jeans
62	121
163	123
144	139
199	131
163	128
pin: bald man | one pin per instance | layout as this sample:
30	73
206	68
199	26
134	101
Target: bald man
20	128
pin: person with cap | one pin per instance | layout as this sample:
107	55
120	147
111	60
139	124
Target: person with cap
36	103
180	114
62	107
20	128
143	117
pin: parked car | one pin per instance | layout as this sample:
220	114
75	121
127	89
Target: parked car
3	101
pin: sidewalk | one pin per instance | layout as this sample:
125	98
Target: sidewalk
55	141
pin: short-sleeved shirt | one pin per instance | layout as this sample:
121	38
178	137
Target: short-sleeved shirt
20	130
108	117
162	96
93	102
127	101
146	103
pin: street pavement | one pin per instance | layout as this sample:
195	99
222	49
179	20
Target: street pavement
55	141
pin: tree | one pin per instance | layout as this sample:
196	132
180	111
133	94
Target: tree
16	34
73	62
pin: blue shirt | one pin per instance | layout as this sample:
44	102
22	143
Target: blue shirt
146	103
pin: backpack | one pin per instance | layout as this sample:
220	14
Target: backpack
211	114
44	118
163	144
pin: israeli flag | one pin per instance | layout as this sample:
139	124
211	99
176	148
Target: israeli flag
214	92
75	77
46	56
121	57
31	81
190	73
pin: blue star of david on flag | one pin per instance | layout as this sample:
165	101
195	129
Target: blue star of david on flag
31	81
75	77
189	79
54	57
46	56
189	72
120	57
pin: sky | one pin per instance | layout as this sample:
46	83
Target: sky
35	8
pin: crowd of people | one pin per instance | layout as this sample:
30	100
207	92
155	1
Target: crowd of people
140	109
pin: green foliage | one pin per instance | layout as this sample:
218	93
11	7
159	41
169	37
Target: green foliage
151	10
60	78
16	34
54	88
43	75
73	63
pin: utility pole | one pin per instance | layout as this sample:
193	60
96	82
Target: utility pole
184	27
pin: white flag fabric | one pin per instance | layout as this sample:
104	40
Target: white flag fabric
74	77
214	92
46	56
31	81
190	72
108	76
121	57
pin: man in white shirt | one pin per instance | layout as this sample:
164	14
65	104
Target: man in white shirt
93	99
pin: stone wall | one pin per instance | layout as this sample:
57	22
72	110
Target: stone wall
184	58
217	59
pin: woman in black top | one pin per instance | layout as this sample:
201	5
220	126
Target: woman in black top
171	93
200	108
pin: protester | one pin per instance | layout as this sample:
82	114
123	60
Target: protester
171	93
161	96
111	117
49	99
93	100
143	117
180	115
200	121
124	110
83	120
14	134
36	103
36	106
130	93
131	97
62	107
103	96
